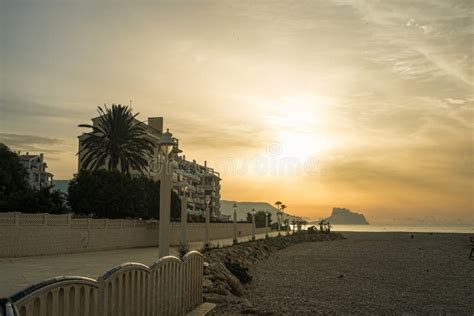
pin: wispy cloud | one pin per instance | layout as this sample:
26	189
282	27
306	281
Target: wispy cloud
32	143
231	77
424	41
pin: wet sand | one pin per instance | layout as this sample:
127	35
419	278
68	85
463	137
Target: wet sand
368	273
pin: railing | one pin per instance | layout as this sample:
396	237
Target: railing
169	287
45	219
58	296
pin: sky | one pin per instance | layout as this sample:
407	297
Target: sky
366	105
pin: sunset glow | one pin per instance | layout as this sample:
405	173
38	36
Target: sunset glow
376	98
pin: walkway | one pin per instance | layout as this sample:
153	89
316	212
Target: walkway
18	273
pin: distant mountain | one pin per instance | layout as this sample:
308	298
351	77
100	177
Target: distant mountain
61	185
227	208
344	216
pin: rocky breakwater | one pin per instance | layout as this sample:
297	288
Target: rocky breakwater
226	269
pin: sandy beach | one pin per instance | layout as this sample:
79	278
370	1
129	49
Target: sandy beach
368	273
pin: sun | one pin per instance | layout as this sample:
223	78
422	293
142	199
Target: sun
296	122
301	144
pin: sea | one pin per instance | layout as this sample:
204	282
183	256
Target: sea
410	229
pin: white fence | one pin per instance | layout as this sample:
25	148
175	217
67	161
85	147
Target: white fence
41	219
169	287
47	234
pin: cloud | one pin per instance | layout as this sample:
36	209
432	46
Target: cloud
455	101
32	143
425	28
197	133
20	107
426	41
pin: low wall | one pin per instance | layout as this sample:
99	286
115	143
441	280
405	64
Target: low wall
196	231
46	234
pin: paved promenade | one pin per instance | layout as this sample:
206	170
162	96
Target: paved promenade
18	273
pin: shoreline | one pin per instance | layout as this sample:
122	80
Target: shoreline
403	229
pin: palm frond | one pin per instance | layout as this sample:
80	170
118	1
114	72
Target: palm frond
118	139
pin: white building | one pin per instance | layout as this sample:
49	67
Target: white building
201	181
35	166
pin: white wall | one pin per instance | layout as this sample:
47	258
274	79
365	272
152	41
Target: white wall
45	234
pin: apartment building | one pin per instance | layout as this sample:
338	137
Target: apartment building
35	166
201	181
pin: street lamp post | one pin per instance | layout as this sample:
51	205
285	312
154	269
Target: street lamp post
279	222
166	144
267	214
235	223
253	224
208	222
278	204
184	216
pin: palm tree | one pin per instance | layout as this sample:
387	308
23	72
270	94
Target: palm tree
283	207
278	203
117	140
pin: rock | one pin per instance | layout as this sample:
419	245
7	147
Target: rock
206	283
232	281
210	277
214	298
344	216
220	299
220	286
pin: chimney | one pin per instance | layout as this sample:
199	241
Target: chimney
156	123
205	163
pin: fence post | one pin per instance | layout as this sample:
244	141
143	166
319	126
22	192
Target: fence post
17	218
45	218
69	217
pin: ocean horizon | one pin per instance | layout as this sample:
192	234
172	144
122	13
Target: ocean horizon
401	228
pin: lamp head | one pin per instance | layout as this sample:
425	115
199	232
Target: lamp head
208	200
166	142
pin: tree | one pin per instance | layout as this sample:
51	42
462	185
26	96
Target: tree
260	219
249	217
50	201
15	193
112	194
12	173
117	140
278	203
